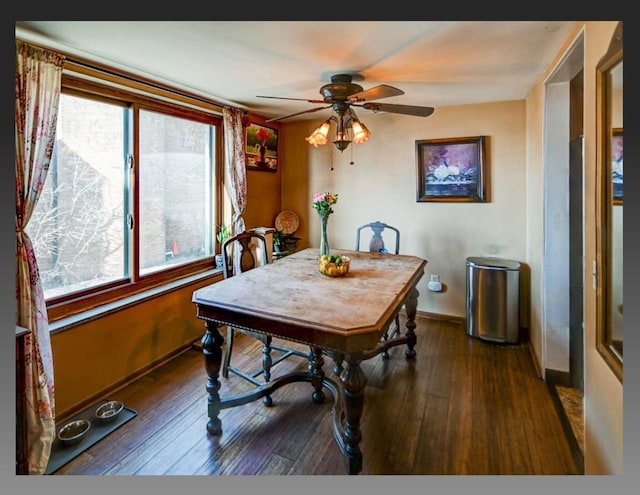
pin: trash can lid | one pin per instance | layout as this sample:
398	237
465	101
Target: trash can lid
493	263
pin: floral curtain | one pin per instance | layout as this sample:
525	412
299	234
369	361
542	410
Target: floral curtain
234	165
37	86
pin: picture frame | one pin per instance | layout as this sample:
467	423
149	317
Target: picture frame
617	176
451	169
261	148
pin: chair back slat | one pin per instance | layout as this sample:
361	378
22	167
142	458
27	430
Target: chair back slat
376	244
240	253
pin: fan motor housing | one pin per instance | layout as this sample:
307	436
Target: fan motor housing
332	92
340	88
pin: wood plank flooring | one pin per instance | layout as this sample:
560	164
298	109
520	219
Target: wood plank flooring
463	406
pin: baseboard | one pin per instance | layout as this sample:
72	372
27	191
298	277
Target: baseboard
536	363
105	393
441	317
555	377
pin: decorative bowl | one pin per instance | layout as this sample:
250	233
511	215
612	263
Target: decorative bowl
333	266
109	411
74	431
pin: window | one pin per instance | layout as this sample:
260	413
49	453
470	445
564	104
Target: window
129	200
175	191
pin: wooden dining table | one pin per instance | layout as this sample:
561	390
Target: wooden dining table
345	318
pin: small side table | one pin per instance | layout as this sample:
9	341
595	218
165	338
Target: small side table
22	461
280	254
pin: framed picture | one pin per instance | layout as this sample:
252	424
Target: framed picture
616	165
451	169
261	148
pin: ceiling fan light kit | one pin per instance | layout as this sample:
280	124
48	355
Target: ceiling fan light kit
349	129
341	95
319	136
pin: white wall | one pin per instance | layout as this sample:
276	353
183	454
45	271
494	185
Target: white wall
555	200
381	185
602	390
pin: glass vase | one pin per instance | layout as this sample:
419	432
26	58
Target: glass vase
324	240
263	152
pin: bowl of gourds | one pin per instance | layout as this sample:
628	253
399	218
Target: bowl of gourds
333	266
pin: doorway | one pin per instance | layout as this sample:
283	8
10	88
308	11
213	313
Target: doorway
576	253
563	259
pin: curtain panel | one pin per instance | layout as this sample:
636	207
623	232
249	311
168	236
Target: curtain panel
37	92
234	165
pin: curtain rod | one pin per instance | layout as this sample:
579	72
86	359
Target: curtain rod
87	67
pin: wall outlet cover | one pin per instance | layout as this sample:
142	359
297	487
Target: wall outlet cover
435	286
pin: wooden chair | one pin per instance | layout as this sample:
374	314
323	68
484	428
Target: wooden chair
240	253
377	245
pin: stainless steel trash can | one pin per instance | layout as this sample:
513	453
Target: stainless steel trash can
493	299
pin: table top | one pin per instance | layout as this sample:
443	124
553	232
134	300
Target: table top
290	298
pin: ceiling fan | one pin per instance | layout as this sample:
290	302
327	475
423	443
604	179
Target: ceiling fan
341	95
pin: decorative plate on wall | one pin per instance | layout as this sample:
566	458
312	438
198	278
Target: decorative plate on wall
287	222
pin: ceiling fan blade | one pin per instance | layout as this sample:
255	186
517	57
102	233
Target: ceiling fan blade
296	99
375	93
403	109
299	113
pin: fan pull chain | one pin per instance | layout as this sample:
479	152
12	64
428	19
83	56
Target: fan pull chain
330	157
351	162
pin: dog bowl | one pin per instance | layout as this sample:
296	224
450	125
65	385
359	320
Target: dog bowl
74	431
109	411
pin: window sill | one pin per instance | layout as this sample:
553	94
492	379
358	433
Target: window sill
100	311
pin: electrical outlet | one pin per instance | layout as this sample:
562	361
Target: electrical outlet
435	286
434	283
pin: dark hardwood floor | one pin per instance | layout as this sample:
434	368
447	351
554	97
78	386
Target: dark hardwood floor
463	406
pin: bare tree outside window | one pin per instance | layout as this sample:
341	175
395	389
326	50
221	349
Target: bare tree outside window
78	228
87	222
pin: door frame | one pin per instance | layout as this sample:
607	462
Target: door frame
555	352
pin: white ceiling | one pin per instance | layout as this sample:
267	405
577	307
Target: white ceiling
436	63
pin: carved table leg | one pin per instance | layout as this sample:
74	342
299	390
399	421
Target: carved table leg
212	342
411	305
338	357
353	382
316	362
266	367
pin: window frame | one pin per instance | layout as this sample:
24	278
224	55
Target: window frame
129	94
